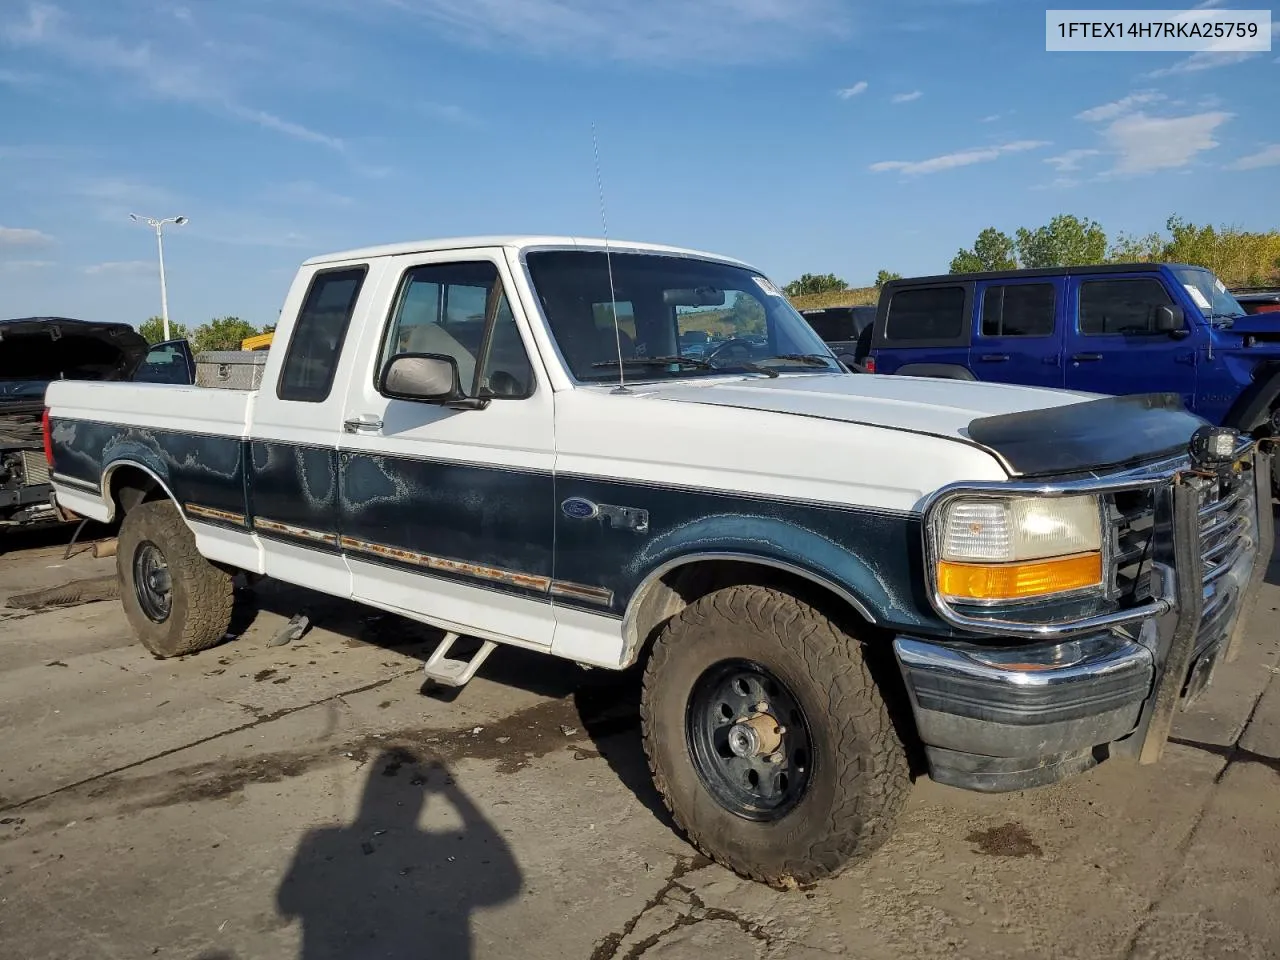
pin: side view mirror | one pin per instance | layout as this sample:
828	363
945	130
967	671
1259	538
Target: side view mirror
1169	319
426	377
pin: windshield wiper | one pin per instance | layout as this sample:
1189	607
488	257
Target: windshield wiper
657	362
813	359
693	362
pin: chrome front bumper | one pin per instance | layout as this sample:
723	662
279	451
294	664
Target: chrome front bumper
1000	714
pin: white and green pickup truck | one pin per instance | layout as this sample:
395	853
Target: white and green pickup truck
831	581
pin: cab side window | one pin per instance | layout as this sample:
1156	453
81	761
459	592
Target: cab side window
460	310
1119	307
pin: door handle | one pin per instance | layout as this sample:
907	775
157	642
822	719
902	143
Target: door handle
366	421
994	357
1084	357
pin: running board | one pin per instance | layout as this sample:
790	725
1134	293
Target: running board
451	672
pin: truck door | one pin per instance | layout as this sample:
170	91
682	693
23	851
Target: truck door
1115	344
448	510
1019	334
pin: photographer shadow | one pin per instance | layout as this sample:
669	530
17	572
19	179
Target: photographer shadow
382	887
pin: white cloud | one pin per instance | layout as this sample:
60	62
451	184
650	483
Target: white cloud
1116	108
1070	160
184	78
21	266
654	32
1203	60
23	237
20	78
308	192
121	268
269	121
853	91
448	112
1143	144
906	97
1268	156
962	158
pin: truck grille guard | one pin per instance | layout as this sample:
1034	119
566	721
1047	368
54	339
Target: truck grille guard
1186	550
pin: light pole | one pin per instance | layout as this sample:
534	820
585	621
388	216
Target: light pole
158	226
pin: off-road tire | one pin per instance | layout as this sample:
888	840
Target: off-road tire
202	595
860	775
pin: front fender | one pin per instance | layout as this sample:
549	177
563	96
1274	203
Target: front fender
1253	406
875	566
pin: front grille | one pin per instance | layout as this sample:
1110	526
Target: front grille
1225	520
1133	527
35	468
1226	532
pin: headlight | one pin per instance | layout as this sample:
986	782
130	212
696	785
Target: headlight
1018	548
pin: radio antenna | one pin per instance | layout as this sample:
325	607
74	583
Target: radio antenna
608	259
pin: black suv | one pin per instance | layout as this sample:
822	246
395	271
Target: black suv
846	330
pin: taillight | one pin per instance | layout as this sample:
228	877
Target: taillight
48	437
869	364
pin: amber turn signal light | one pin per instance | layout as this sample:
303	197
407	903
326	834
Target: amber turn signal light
1018	581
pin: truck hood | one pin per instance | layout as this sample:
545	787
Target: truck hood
44	349
1032	431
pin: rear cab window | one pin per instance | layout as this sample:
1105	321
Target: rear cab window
315	347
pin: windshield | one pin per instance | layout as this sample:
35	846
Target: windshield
677	317
1209	293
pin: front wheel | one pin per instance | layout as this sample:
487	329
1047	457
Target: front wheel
768	739
177	601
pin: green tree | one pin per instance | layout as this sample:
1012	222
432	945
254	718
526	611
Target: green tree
1064	241
224	333
747	315
1130	248
884	276
992	250
815	283
152	330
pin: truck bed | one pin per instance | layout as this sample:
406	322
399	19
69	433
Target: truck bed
160	406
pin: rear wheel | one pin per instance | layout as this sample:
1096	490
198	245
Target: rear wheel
177	601
768	739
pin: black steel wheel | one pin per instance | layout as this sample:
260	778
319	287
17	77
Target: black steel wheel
152	582
177	602
768	738
749	740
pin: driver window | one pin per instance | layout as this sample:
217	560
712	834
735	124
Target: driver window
446	310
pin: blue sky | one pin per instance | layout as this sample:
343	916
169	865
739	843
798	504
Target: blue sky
802	135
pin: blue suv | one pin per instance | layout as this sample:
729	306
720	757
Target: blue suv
1113	329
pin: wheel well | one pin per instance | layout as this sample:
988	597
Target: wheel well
131	486
677	588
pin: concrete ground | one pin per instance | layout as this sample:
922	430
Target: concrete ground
307	801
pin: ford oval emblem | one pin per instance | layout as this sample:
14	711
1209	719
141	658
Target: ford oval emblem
576	508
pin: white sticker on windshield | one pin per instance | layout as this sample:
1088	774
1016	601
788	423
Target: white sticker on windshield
1219	285
767	287
1198	297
